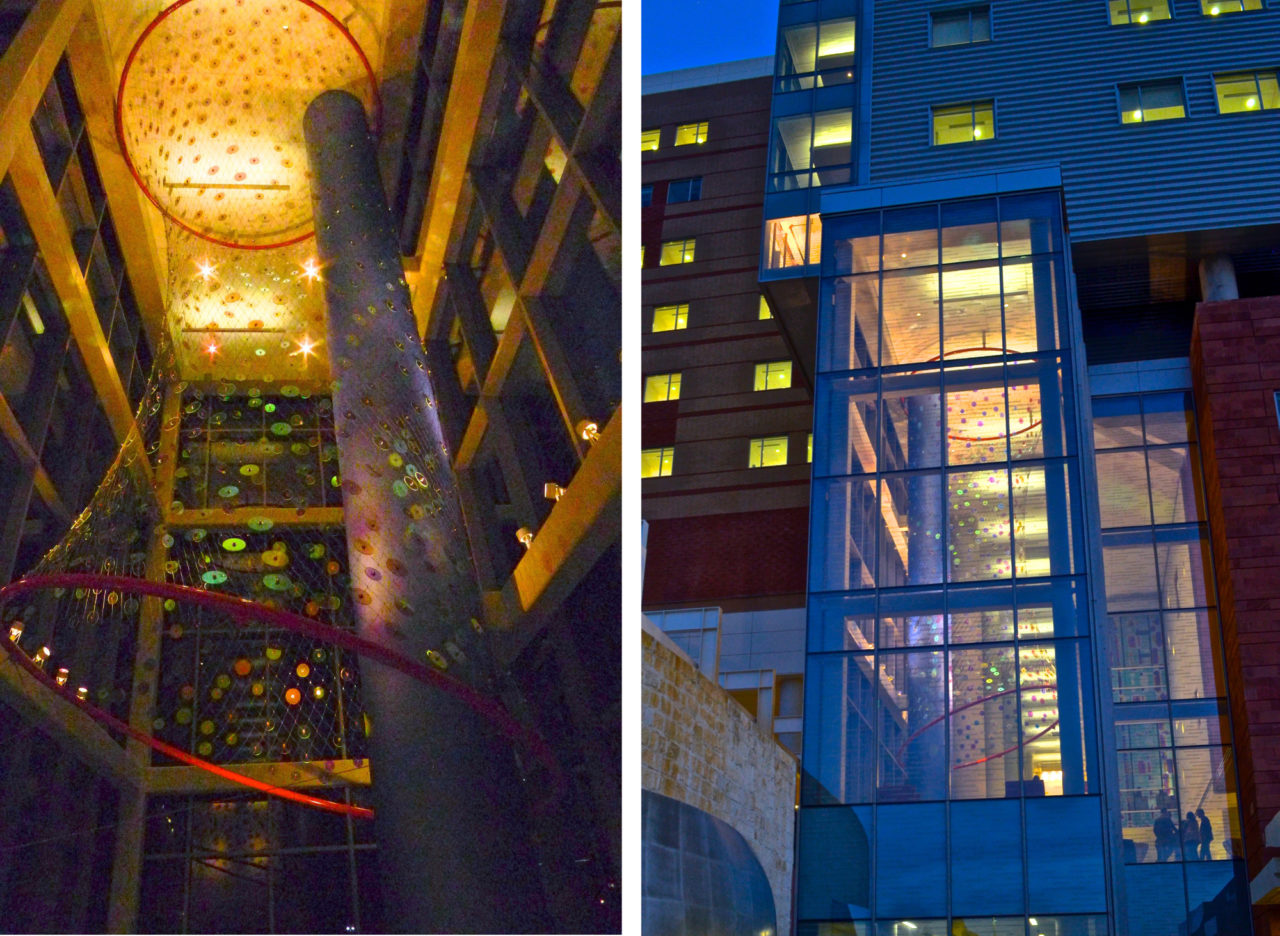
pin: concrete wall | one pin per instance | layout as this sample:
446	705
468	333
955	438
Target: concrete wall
702	748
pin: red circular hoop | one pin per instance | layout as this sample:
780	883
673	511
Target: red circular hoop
124	147
982	760
243	610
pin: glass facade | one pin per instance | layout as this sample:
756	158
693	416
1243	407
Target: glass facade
950	779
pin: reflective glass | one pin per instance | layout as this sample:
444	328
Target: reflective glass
1129	562
1148	805
1117	422
844	524
1065	868
912	420
1202	722
1181	557
852	338
981	926
910	237
1041	690
1196	669
1206	790
1052	609
911	619
1030	224
1138	658
912	927
1122	489
911	860
1143	726
1155	899
981	615
910	319
1168	417
834	864
856	245
969	231
978	525
913	734
986	858
786	241
1076	925
1031	304
841	622
848	423
912	550
984	724
1033	521
971	311
839	736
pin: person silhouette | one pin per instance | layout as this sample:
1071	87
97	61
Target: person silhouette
1206	835
1165	835
1190	835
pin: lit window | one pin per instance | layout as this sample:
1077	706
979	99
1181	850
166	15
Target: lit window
691	133
1216	7
677	251
661	387
773	375
646	196
1153	100
1247	91
809	450
657	463
964	123
768	452
791	240
684	190
961	27
765	311
555	159
816	55
642	255
649	139
811	149
1139	11
671	317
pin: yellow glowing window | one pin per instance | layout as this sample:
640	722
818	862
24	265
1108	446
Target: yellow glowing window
809	450
661	387
1218	7
691	133
1155	100
773	375
1247	91
649	140
768	452
964	123
657	462
792	241
677	251
555	159
642	255
1124	12
765	311
671	317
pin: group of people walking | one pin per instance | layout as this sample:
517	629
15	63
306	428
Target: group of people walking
1194	833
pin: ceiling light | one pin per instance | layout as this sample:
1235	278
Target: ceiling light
1214	10
306	347
206	269
1137	115
588	431
1141	19
1252	102
977	132
311	269
211	349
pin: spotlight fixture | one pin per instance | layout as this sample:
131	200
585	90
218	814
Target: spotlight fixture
63	673
15	631
42	655
206	269
525	536
552	491
211	349
588	431
306	347
311	269
82	693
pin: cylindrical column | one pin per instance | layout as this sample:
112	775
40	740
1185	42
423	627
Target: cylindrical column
452	843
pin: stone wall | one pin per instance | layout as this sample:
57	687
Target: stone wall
703	748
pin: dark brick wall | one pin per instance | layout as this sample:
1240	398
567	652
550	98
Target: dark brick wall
1235	358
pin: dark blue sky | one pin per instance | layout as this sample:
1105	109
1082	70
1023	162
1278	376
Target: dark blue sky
687	33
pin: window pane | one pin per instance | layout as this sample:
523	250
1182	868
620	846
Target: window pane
1162	101
983	724
981	616
671	317
911	619
768	452
1138	658
1130	565
954	124
971	310
1117	422
1168	417
649	139
797	52
1148	805
660	387
792	138
978	525
1130	104
1064	854
980	25
1176	491
977	431
1156	900
785	242
680	251
851	338
839	730
1181	556
911	860
844	529
1237	93
912	551
1206	789
773	375
1122	489
912	421
691	133
1195	655
834	871
1031	289
913	733
969	231
841	622
986	859
836	46
911	316
951	27
656	463
848	420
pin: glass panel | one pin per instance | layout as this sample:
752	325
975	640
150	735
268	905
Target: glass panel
912	421
984	724
1065	855
912	927
649	139
1130	566
1176	491
1130	104
1156	901
911	619
1041	683
911	860
661	387
911	237
911	332
954	124
768	452
834	870
671	317
969	231
1052	608
1143	726
981	616
1213	895
1030	224
1009	926
1122	489
911	520
1168	417
1181	557
978	525
797	52
852	341
986	858
1138	658
1201	723
841	622
1117	422
839	729
1206	792
1237	93
1195	655
857	245
1162	101
1033	521
1148	806
656	463
792	139
844	526
785	242
913	736
1081	925
1031	304
951	27
971	316
848	423
832	141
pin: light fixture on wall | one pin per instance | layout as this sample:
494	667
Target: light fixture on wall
42	655
525	536
15	631
63	673
552	491
82	693
588	431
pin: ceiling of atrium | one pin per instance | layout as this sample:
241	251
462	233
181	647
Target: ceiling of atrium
210	113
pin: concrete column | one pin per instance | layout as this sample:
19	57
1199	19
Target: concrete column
452	844
1218	278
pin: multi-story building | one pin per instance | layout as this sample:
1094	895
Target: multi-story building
1035	315
162	296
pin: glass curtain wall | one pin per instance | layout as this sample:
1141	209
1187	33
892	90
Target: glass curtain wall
1179	804
950	779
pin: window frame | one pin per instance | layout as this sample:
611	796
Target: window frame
969	9
694	186
973	110
674	379
758	373
756	447
687	251
657	140
646	195
701	133
1257	84
1139	85
1169	5
1204	4
681	317
666	457
785	83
